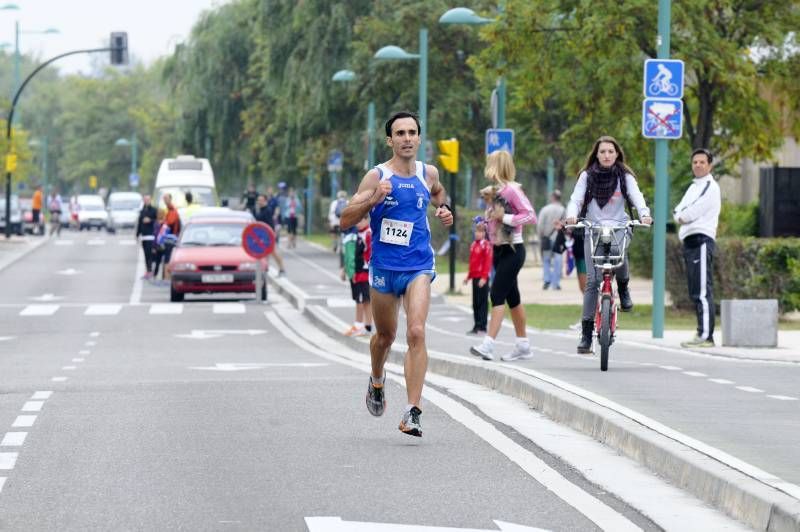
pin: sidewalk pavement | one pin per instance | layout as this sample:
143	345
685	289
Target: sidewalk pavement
531	289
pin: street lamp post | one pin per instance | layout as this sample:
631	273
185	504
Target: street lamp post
133	144
17	32
395	53
343	76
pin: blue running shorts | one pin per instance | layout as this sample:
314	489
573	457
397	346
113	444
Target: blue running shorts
395	282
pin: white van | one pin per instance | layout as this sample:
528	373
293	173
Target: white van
123	210
91	212
186	173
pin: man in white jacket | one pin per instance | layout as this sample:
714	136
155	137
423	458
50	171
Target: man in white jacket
698	216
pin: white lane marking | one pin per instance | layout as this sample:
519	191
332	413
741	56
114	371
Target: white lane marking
14	439
595	510
59	379
32	406
69	368
39	310
96	242
694	374
8	460
94	334
69	271
671	368
41	395
78	359
138	282
127	243
166	308
24	421
244	366
4	338
46	297
783	397
102	310
84	352
340	302
749	389
65	242
334	523
2	483
229	308
90	344
722	381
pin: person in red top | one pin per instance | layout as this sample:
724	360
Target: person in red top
480	267
357	244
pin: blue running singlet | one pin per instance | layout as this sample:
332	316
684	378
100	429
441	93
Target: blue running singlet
401	234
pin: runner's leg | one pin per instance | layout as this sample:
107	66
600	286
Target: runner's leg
385	307
416	303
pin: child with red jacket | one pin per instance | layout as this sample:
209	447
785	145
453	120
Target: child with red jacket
480	267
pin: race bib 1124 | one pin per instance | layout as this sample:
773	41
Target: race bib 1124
396	232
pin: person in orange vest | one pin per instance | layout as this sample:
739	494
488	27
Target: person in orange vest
36	210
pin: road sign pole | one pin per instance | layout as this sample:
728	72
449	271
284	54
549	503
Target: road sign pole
662	191
453	234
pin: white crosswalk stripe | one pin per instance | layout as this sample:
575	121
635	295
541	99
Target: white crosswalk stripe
229	308
102	310
166	308
39	310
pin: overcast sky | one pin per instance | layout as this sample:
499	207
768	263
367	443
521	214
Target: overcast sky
153	26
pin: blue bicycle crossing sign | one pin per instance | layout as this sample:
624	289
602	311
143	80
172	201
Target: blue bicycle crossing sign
662	118
663	78
499	139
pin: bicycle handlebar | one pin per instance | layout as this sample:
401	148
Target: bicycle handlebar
586	224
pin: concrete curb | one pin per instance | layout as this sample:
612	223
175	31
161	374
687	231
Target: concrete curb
27	248
725	488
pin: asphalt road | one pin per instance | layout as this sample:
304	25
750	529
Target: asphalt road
125	412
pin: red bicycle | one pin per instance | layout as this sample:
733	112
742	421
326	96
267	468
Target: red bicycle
609	243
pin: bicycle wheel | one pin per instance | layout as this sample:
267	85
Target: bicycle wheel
604	338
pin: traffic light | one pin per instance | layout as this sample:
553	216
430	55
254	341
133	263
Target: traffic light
119	48
448	155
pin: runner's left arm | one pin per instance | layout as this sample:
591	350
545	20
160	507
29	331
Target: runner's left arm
438	195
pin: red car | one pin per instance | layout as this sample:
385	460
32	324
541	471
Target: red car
209	258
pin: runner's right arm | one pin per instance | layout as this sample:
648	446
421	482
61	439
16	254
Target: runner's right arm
371	191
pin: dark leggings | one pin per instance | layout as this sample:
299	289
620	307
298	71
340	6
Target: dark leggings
507	262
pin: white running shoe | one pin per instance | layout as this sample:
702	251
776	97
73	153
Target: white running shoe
481	351
518	354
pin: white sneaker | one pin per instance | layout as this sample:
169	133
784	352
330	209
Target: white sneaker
481	351
518	354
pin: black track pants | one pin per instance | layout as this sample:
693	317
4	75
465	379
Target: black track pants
698	252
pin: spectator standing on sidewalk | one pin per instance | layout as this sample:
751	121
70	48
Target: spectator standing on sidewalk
55	206
698	215
356	252
508	254
547	232
249	197
145	232
265	212
292	210
334	213
480	268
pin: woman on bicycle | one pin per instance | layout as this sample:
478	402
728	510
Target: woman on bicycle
605	187
506	213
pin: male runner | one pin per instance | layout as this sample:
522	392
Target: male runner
396	194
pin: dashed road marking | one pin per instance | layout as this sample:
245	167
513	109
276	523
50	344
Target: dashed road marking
94	334
671	368
96	242
749	389
24	421
32	406
69	368
78	359
59	379
90	344
41	395
39	310
694	374
229	308
166	308
722	381
8	460
102	310
13	439
783	397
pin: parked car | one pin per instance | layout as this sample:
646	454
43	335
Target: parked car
16	215
91	212
123	210
209	258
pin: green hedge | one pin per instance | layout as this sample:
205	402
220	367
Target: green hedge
744	268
